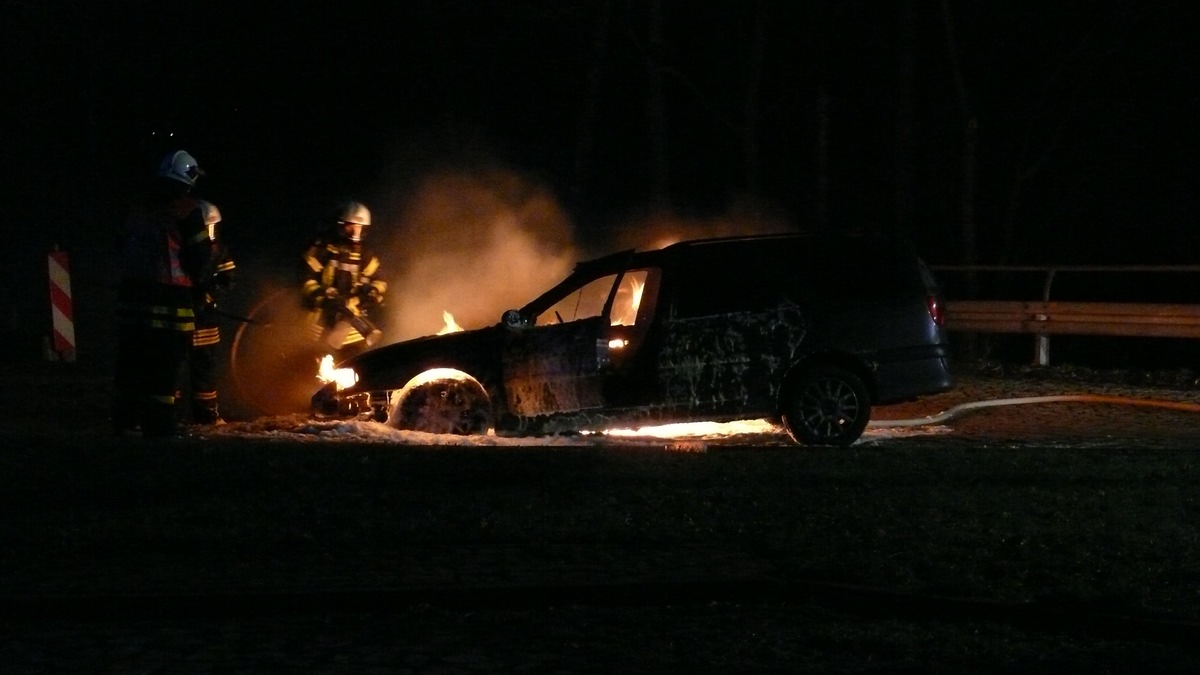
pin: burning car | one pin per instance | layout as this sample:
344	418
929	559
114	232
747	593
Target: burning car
810	331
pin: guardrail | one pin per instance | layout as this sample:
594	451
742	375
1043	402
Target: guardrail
1043	318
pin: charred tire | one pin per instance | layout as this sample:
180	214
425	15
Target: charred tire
826	405
443	407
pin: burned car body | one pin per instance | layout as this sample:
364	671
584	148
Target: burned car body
804	329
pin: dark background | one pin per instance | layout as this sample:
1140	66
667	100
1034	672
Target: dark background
811	114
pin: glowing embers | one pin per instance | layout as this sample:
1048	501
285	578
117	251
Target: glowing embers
343	377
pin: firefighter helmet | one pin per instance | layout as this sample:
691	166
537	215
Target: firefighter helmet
354	217
354	212
212	216
180	166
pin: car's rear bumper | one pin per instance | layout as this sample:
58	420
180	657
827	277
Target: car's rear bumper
910	373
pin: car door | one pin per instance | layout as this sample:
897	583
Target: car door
573	343
554	361
729	332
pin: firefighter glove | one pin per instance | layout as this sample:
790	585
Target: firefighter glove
370	294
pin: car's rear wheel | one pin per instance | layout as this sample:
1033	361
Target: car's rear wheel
446	406
826	405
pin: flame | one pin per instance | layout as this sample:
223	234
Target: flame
344	377
629	298
451	326
700	429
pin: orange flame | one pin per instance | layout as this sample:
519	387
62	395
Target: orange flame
451	326
344	377
629	298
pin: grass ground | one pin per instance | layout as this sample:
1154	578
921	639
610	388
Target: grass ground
923	554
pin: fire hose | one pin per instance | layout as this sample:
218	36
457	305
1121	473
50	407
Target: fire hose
237	338
957	410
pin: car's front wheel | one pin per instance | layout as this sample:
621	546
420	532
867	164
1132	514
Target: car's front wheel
446	406
826	405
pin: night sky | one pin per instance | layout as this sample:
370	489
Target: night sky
791	113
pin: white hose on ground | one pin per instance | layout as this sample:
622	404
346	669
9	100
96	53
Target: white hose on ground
1070	398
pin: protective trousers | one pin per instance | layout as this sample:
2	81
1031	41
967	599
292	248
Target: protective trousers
149	365
203	363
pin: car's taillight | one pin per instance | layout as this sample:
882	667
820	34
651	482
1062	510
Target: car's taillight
936	312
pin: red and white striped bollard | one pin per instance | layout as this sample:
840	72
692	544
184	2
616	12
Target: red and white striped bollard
62	342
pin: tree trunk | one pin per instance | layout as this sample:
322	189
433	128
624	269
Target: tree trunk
969	163
970	140
585	135
750	149
905	123
821	192
656	112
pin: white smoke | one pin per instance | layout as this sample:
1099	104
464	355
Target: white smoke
471	243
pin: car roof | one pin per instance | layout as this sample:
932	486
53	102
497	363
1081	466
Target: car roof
649	257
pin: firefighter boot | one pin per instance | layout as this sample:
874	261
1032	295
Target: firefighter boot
204	408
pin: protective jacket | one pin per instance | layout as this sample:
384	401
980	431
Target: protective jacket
205	355
218	278
164	252
341	281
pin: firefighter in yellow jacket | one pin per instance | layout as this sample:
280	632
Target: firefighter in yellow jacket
204	360
164	249
342	284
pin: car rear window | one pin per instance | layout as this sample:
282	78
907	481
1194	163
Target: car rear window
752	276
722	279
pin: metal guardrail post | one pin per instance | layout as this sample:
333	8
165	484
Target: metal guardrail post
1041	345
1041	342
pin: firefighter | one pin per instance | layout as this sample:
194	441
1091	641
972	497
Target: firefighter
342	284
204	358
164	249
